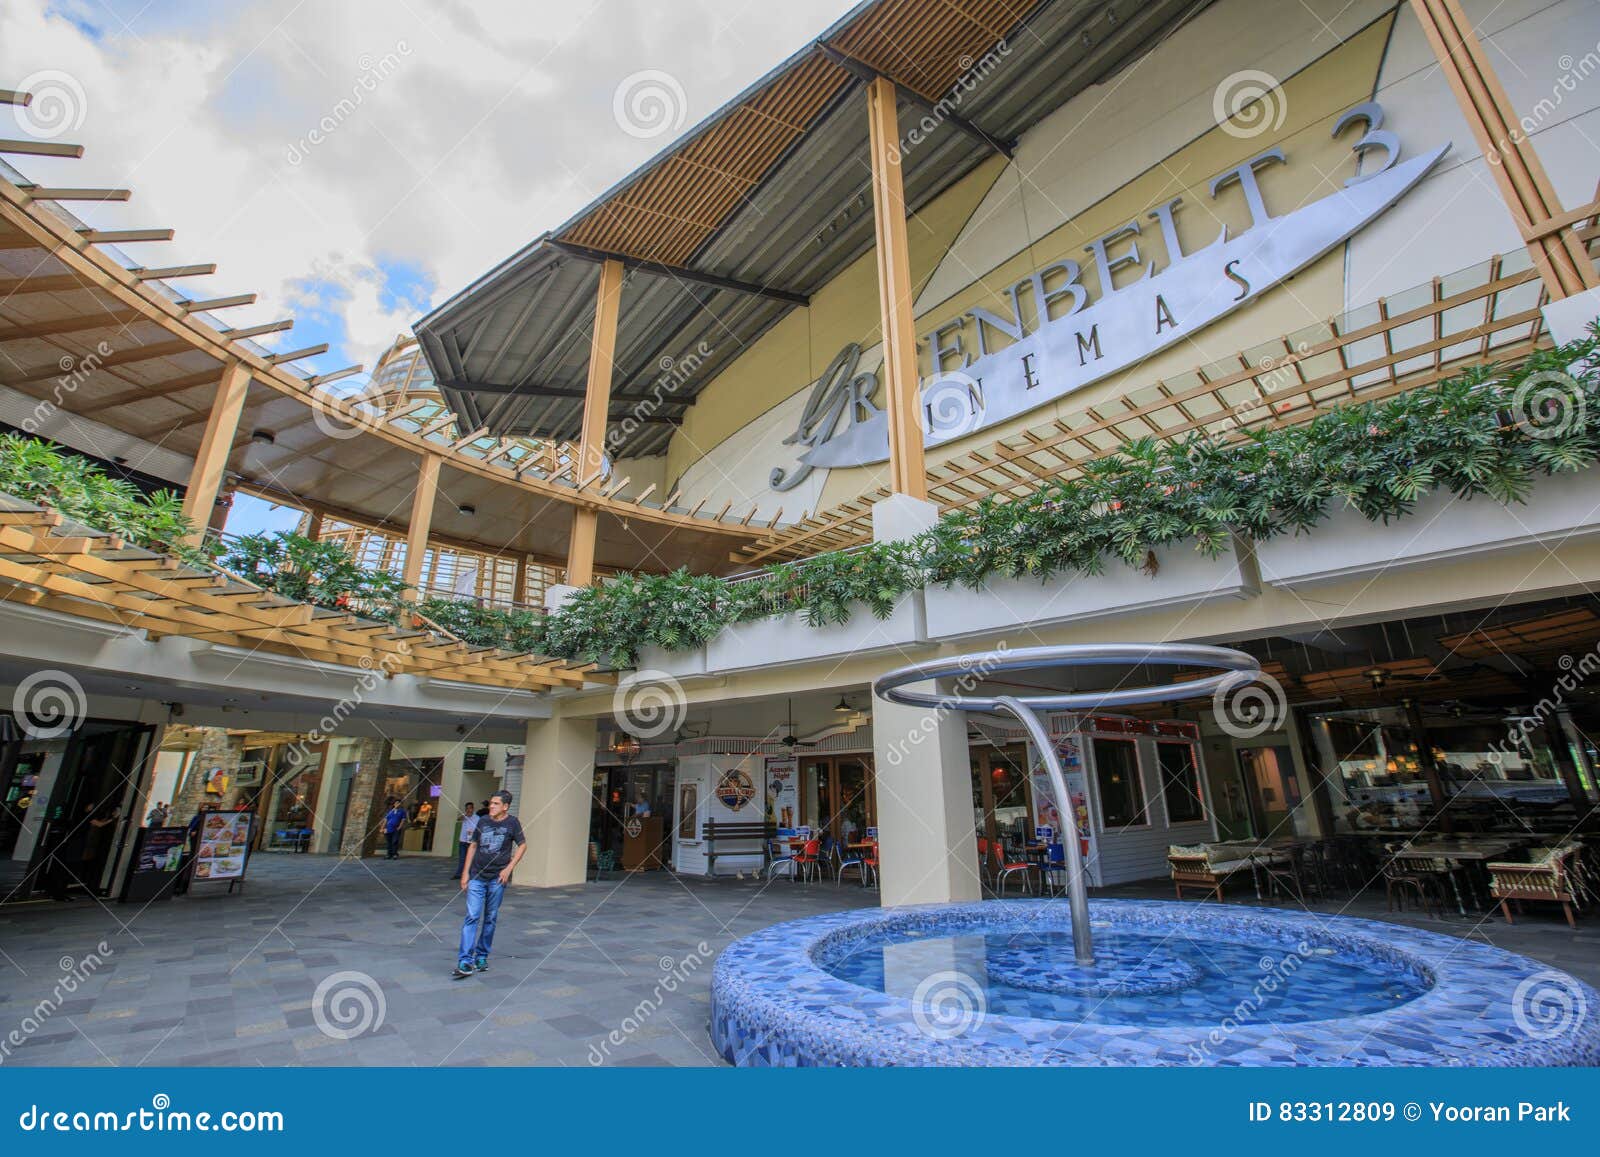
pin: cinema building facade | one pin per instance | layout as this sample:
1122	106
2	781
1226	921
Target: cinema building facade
951	260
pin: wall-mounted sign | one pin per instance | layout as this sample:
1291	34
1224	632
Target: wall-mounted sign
735	789
1077	341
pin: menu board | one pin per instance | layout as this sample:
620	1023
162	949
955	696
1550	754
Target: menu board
156	860
224	846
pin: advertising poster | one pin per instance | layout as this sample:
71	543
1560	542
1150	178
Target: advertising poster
1069	749
224	846
783	793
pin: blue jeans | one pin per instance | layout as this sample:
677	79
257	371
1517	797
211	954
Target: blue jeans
483	906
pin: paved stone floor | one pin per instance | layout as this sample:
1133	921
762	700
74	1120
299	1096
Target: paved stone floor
233	980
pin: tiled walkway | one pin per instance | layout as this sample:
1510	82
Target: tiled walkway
216	979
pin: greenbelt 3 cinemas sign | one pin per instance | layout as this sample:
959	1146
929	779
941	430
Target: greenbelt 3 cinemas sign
1078	341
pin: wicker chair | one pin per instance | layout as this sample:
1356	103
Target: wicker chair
1554	875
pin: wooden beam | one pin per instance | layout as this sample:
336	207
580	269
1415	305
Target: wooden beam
65	325
209	304
40	148
205	481
907	468
167	273
257	330
128	357
1530	198
596	407
309	351
48	193
864	71
335	376
421	521
12	96
124	236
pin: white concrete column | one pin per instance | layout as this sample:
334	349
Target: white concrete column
557	780
928	854
922	770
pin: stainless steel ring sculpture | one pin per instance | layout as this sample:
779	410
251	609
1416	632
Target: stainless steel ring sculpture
1235	669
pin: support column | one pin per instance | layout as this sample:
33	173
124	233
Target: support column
557	785
596	408
363	817
211	461
923	773
217	750
1564	266
314	525
520	583
907	472
421	521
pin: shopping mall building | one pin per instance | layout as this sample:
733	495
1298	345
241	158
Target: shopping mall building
1081	229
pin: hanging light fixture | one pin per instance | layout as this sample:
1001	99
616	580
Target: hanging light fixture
843	707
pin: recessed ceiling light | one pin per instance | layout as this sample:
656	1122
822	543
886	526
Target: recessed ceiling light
466	509
263	437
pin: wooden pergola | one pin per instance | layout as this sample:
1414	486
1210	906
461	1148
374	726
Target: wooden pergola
50	562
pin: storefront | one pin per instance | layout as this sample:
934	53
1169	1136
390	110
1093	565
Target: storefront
67	803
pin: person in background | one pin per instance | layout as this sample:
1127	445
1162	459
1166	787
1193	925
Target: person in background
469	824
641	806
157	817
394	826
191	850
497	846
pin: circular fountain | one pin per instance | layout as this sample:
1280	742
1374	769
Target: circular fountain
1122	982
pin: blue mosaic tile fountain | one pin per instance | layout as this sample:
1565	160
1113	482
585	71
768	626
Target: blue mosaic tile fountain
1171	984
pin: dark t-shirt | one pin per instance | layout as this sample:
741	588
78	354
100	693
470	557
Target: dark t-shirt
496	841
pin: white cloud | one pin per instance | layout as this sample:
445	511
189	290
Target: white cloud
449	133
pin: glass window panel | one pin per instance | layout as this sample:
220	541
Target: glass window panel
1116	768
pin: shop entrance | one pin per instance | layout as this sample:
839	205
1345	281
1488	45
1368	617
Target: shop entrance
625	792
1001	804
1271	791
417	784
69	805
837	796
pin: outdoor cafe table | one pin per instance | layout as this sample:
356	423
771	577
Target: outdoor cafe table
1465	857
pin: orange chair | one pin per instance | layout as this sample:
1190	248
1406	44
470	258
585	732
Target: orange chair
809	859
1004	868
869	862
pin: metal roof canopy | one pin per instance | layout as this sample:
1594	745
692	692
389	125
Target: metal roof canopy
760	205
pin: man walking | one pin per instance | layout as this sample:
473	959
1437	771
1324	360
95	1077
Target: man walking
394	823
497	845
469	824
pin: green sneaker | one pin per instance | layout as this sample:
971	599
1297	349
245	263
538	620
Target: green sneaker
482	964
463	971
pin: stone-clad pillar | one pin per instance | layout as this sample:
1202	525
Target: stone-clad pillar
364	818
216	750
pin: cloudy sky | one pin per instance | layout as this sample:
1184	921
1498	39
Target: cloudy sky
353	162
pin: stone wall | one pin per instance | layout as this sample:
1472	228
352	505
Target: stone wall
365	814
217	749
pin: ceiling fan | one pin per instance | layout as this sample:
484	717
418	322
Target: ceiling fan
789	739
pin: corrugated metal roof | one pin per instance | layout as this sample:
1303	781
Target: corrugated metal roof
772	190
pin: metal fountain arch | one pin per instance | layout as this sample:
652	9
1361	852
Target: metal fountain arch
1235	670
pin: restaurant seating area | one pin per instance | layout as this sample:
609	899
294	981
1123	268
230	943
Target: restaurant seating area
1439	875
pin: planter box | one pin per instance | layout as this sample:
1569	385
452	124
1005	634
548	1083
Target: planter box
1440	528
1183	576
678	664
788	640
